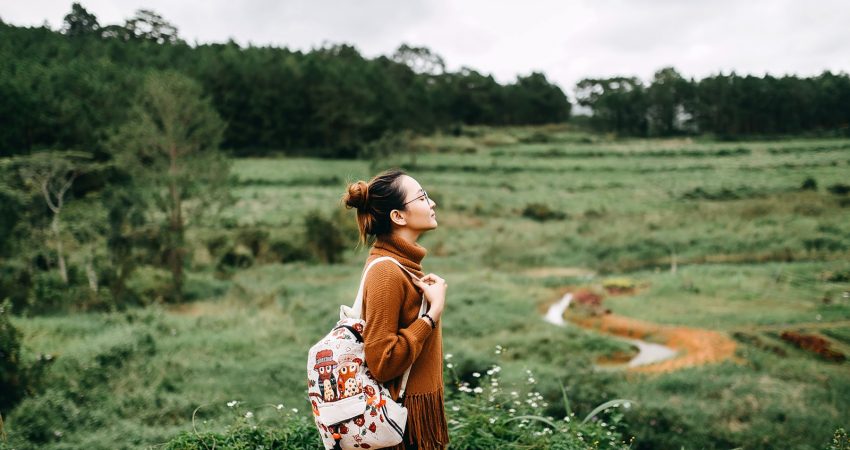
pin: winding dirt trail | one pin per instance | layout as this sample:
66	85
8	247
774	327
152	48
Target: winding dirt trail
695	346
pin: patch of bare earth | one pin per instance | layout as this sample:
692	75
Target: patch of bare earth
696	346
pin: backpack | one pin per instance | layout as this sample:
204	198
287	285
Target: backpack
352	410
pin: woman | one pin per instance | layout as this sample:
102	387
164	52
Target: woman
394	210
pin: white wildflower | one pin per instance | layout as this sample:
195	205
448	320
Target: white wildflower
492	420
455	408
295	410
279	406
232	403
476	374
478	390
249	415
448	356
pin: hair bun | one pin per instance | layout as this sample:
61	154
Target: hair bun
358	195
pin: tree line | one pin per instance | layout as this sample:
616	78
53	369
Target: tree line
726	106
66	88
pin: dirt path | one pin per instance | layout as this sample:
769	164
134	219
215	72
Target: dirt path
695	346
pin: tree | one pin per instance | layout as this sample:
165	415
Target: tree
171	146
668	98
80	22
420	59
618	103
148	25
534	100
52	174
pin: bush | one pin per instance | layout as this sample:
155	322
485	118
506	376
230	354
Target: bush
323	237
542	213
809	184
255	239
285	251
11	369
839	189
238	257
150	284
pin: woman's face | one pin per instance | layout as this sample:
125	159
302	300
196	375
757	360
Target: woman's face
418	212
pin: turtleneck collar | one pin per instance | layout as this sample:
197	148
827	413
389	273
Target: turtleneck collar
410	255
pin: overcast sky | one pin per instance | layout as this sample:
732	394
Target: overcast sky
567	40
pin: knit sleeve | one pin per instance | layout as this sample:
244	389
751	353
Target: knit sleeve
389	349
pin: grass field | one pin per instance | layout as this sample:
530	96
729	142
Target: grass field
524	213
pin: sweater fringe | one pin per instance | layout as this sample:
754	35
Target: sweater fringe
426	420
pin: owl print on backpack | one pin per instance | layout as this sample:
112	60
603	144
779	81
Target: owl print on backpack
325	365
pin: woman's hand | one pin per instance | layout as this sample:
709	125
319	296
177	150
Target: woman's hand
434	289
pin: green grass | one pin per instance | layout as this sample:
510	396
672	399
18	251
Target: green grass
752	250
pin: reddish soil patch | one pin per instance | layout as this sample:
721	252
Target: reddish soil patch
697	346
617	290
586	297
814	344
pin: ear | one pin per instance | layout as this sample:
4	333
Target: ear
397	217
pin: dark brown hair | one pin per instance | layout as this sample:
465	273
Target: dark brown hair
374	201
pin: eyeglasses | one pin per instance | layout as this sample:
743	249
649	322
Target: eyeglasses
424	194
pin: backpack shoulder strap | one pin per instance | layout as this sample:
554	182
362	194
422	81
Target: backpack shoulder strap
356	310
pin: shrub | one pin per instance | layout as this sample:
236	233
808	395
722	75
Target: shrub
323	238
78	387
839	189
11	368
838	276
255	239
237	257
809	184
542	213
284	251
150	284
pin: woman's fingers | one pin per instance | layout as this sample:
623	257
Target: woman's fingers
432	278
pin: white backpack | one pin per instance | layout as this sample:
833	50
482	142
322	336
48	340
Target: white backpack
351	408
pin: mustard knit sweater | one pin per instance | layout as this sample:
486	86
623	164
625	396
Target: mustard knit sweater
395	338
